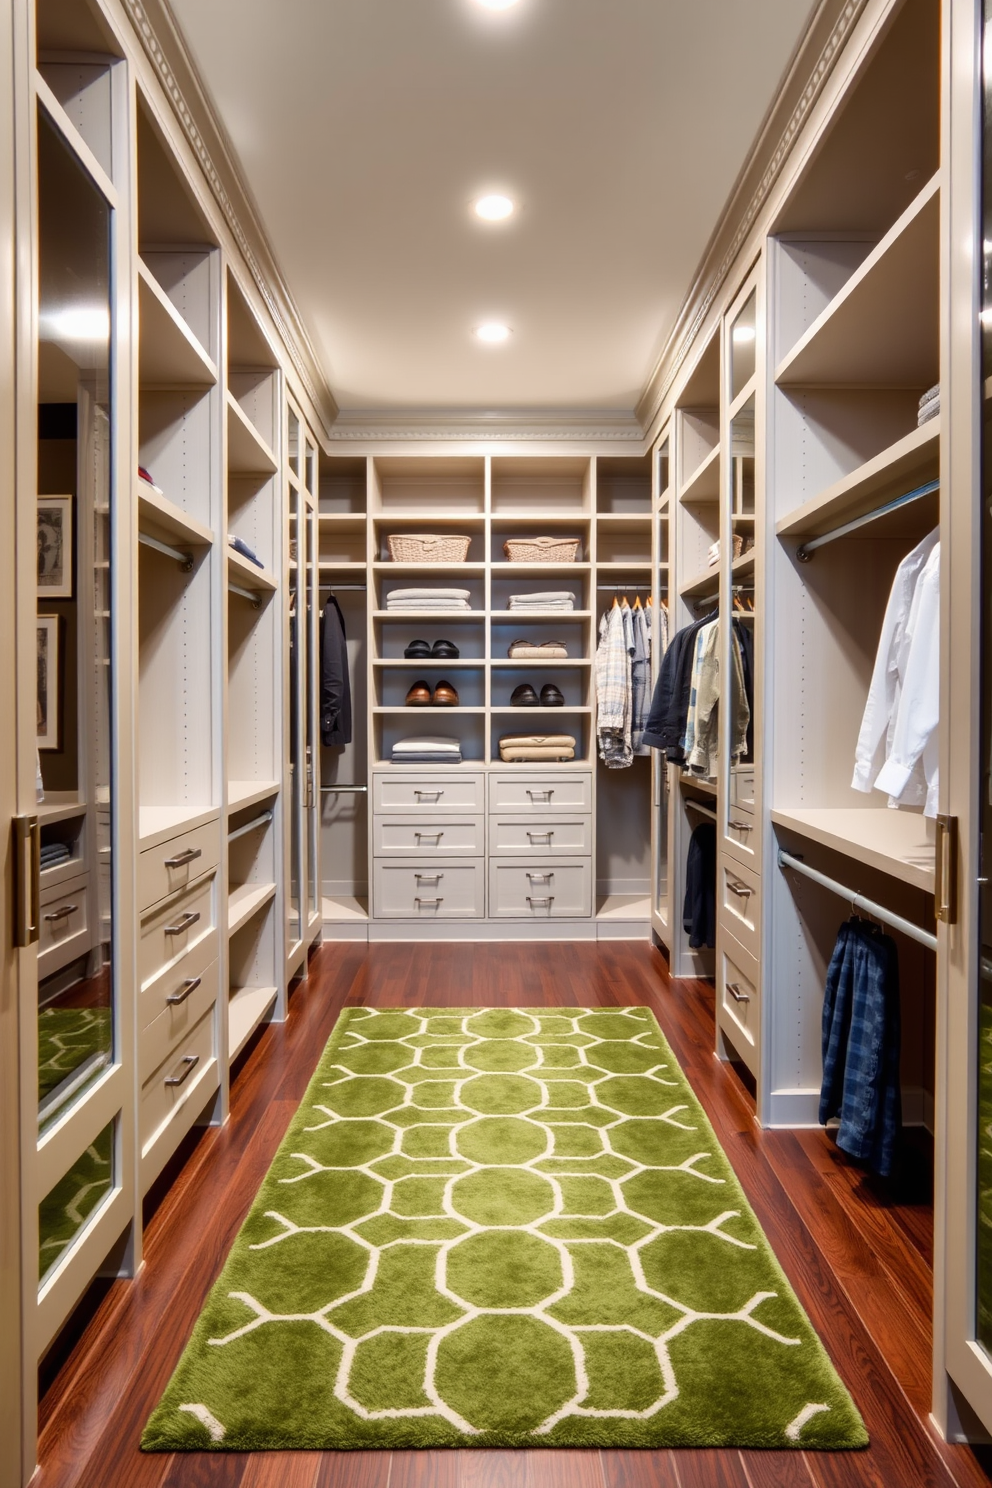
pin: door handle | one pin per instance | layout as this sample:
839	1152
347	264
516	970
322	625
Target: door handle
540	836
190	1061
427	903
189	987
62	913
187	856
541	903
740	826
734	989
27	856
434	878
737	887
945	889
183	922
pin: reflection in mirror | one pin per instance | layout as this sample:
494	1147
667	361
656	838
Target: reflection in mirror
312	713
65	1212
75	1018
983	1103
742	531
742	346
297	643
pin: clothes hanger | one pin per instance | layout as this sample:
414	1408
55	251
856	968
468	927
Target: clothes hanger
637	602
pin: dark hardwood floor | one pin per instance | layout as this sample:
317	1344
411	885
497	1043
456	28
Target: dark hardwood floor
857	1252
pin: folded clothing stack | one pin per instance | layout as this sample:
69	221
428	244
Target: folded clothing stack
549	599
428	599
53	853
427	749
536	747
240	546
929	405
537	650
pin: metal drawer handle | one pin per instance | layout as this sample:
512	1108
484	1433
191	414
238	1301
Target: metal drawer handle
190	1061
183	923
63	913
740	889
540	836
739	826
189	987
541	903
429	836
734	989
537	795
181	859
428	903
434	794
428	877
543	878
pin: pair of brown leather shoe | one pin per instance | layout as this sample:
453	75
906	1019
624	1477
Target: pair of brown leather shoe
420	696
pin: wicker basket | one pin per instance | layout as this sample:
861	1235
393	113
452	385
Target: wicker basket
541	549
409	547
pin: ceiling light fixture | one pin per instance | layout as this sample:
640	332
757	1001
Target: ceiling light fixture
493	332
494	208
497	4
743	333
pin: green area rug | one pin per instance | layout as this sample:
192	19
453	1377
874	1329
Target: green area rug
501	1228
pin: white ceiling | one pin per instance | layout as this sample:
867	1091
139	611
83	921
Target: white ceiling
365	128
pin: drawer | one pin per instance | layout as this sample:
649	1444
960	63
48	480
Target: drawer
177	1079
739	999
742	786
406	836
153	999
553	891
567	790
173	865
173	1023
528	837
739	894
64	932
401	795
743	836
424	891
173	928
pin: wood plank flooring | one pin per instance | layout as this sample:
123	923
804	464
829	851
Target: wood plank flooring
858	1253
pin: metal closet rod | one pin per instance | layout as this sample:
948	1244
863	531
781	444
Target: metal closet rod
344	790
806	550
252	826
247	594
702	810
627	588
858	901
342	588
185	560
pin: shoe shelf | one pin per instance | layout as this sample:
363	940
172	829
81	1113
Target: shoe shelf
424	708
432	663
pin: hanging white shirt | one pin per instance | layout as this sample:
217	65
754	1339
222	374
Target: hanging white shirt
914	735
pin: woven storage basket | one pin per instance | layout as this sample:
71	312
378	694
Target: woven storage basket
409	547
541	549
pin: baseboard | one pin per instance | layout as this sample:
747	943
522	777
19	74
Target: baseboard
482	930
801	1108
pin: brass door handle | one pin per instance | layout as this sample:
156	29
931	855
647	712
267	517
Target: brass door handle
27	844
945	889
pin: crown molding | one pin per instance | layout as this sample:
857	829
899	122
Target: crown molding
803	82
158	31
541	424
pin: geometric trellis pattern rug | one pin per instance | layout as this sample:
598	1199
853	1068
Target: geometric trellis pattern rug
501	1227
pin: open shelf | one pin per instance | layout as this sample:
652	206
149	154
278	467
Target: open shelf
247	451
704	483
343	521
245	901
896	842
244	572
881	330
249	792
568	711
538	617
156	824
246	1009
169	355
545	663
537	570
432	663
453	617
701	583
344	909
907	463
743	566
457	711
624	907
427	570
698	782
160	517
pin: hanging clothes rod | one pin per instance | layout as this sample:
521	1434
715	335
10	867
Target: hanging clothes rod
252	826
858	901
185	560
247	594
343	588
626	588
806	550
701	809
344	790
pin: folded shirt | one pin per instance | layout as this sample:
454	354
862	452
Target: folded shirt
240	546
432	606
56	852
411	594
544	596
537	651
510	752
431	743
930	394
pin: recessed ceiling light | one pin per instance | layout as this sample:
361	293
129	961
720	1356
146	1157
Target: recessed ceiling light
493	332
743	333
494	208
497	4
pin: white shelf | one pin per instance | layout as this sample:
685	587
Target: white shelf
900	843
242	571
246	901
431	662
568	710
246	1009
743	567
703	485
907	463
635	565
503	570
533	617
343	521
550	663
160	517
156	824
241	793
406	708
702	583
59	806
247	451
881	330
453	617
623	519
425	571
169	355
344	909
624	907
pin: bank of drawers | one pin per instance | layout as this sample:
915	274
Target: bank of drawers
738	990
449	846
65	931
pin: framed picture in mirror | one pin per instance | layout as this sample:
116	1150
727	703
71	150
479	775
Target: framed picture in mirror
55	547
49	682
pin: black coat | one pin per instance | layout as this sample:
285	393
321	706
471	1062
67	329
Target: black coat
699	909
335	684
670	704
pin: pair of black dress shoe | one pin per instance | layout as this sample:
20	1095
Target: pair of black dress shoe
442	650
524	696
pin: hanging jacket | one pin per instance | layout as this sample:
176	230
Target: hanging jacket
335	683
640	677
670	706
699	908
613	691
913	736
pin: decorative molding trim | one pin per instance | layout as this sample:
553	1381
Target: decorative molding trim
252	244
550	424
716	264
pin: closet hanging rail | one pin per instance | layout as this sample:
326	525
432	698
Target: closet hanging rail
701	810
626	588
806	550
247	594
344	790
343	588
185	560
858	901
252	826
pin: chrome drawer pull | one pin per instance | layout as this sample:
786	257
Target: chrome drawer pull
63	913
537	795
740	889
427	903
429	836
189	987
542	878
435	795
739	826
541	903
190	1061
434	878
736	993
183	923
181	859
540	836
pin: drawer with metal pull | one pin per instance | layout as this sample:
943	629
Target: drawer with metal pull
739	999
742	787
174	865
743	835
64	930
405	836
176	1080
172	985
429	891
174	928
523	836
739	899
402	795
185	1004
566	790
549	891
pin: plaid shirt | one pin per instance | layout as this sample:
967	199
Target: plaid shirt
613	700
